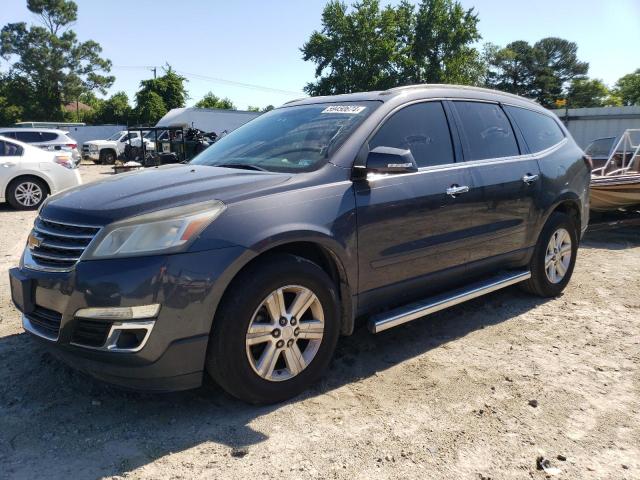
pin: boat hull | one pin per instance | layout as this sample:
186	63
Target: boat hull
612	193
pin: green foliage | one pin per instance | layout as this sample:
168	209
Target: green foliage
212	101
150	107
157	96
374	48
170	87
585	92
115	109
541	71
49	65
268	108
628	88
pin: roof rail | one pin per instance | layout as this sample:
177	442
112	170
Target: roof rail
420	86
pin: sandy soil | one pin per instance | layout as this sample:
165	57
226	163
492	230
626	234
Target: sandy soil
449	396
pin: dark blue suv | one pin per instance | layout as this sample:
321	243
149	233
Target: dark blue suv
249	262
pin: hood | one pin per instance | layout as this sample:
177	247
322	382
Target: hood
100	142
128	194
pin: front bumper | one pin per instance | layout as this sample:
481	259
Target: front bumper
188	287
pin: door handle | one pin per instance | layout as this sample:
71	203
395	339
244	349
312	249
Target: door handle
454	190
529	179
9	164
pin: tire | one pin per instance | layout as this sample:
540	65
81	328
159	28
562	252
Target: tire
542	281
27	193
235	365
107	157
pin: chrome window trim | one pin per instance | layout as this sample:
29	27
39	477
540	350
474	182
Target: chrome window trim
474	163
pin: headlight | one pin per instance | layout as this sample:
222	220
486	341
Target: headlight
93	148
165	231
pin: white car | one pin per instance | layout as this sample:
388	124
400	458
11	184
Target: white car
107	151
46	138
28	174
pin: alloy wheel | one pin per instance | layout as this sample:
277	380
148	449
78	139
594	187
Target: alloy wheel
28	194
558	256
285	333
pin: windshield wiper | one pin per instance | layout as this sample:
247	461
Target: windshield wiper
242	166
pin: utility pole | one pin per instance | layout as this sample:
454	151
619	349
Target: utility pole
154	72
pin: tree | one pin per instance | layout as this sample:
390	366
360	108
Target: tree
628	88
369	48
149	107
588	92
50	59
268	108
212	101
541	71
251	108
170	87
441	49
115	109
556	65
512	68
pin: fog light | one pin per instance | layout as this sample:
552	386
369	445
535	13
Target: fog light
120	313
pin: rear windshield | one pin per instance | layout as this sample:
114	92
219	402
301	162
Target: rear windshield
291	139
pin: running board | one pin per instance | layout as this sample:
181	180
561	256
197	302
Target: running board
392	318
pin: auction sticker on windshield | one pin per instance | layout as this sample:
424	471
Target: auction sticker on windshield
352	109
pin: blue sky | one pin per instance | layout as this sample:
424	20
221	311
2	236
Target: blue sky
257	42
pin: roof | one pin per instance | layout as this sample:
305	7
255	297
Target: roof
33	129
426	90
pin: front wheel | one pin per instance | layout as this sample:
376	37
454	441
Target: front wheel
275	331
554	256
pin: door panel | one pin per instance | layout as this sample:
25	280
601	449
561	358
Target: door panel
408	227
504	206
504	182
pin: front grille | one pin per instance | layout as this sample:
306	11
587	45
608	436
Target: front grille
46	321
85	148
59	245
91	333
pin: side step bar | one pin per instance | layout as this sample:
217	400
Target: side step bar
392	318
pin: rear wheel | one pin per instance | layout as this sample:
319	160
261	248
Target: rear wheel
275	332
554	257
26	193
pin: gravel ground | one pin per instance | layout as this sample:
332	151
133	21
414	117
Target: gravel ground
475	392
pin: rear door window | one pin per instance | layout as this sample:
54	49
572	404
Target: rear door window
540	131
421	128
28	137
8	149
487	132
48	136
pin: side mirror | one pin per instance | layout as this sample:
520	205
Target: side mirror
391	160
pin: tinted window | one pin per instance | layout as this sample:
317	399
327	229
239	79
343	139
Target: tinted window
48	136
487	130
421	128
540	131
28	137
8	149
8	134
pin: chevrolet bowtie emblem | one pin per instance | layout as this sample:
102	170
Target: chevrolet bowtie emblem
33	241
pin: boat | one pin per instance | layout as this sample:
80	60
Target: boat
616	184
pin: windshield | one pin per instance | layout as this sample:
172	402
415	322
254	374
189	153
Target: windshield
600	147
291	139
115	136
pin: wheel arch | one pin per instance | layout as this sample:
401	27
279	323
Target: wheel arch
568	204
322	255
27	175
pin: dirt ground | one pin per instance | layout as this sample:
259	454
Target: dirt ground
450	396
